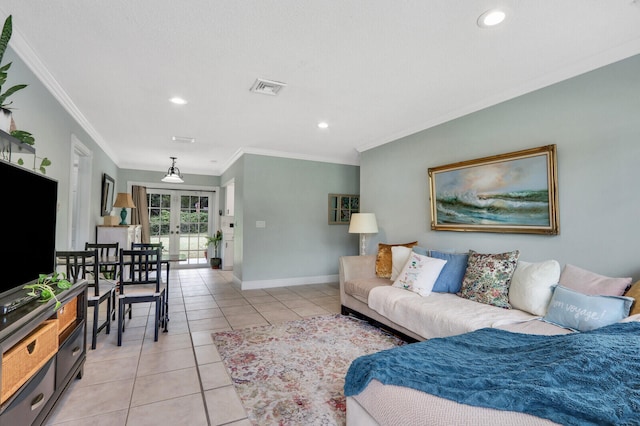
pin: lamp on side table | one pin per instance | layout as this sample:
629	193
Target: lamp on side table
125	201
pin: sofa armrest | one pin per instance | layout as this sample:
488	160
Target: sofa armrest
357	267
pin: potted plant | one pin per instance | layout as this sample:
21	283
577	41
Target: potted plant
47	287
6	116
215	240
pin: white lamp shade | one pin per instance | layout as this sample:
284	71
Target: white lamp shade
363	223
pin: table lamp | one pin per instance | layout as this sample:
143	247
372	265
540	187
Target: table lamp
124	200
363	223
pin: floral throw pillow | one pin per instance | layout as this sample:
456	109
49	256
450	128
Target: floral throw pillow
488	277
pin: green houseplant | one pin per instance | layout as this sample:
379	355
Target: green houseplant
47	286
215	241
5	110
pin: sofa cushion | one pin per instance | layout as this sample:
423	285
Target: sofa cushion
399	257
488	277
419	274
384	259
583	312
450	279
532	286
440	314
360	288
588	282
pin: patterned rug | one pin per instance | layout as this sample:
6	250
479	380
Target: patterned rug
293	373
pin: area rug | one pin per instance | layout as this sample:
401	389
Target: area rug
293	373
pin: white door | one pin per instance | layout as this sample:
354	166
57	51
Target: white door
181	221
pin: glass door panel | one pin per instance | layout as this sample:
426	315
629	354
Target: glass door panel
180	220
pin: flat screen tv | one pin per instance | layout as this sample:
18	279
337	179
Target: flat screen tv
28	220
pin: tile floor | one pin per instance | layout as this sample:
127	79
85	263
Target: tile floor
180	379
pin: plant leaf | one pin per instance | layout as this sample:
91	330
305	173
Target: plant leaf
10	91
5	36
20	162
23	136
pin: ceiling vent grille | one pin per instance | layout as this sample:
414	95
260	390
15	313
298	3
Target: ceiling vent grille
267	87
183	139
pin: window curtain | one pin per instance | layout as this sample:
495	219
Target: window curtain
140	215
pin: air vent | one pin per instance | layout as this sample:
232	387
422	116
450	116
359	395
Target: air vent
267	87
182	139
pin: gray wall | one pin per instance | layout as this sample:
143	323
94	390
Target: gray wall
38	112
291	196
594	120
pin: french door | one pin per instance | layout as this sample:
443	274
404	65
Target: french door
181	221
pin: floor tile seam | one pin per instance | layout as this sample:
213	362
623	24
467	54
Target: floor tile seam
195	357
137	369
167	399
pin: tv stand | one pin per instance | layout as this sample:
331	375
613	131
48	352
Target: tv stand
31	384
7	307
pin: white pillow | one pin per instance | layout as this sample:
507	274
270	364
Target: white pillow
531	286
399	257
419	274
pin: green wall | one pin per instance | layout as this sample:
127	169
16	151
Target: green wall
594	119
297	245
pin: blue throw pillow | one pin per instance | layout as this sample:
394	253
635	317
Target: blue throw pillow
450	279
583	312
420	250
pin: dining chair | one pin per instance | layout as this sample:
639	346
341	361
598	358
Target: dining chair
108	253
80	265
140	282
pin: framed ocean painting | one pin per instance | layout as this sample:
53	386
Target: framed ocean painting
515	192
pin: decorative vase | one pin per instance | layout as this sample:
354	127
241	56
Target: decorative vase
5	120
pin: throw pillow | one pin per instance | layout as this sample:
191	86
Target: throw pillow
583	312
488	276
588	282
532	286
419	274
399	257
421	250
384	260
634	292
450	279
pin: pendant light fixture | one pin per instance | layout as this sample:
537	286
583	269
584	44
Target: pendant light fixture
173	174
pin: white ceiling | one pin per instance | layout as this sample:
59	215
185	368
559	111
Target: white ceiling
374	70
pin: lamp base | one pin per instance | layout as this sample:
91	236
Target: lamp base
123	216
362	245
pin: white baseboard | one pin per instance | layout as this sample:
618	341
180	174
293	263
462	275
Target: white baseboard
285	282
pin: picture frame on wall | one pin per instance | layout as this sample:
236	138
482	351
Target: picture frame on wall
108	188
512	193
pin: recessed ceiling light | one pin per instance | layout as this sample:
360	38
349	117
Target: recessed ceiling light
323	125
491	18
178	101
183	139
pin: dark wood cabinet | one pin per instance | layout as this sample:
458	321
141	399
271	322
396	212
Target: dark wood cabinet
36	398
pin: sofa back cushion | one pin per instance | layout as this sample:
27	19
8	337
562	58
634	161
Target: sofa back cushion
588	282
450	279
532	286
488	277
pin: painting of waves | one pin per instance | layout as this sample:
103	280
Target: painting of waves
507	193
511	208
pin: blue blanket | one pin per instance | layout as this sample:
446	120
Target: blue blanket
574	379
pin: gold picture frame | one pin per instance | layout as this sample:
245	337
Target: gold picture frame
510	193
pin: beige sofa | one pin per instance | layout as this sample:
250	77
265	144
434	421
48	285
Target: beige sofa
418	318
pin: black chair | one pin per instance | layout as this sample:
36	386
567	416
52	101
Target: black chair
80	265
140	282
109	270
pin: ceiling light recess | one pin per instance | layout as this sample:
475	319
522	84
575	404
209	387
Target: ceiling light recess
178	101
491	18
173	174
183	139
267	87
323	125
